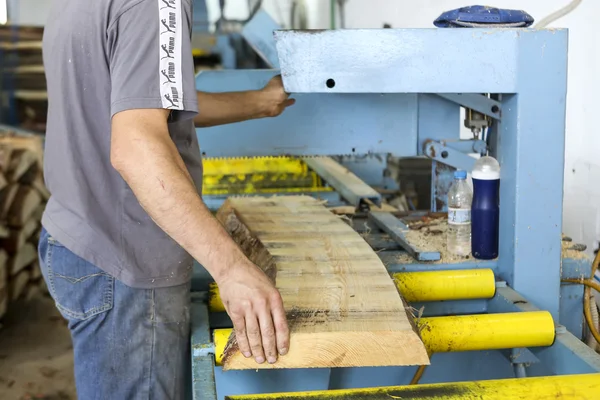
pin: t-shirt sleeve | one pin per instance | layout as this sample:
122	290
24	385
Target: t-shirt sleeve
150	57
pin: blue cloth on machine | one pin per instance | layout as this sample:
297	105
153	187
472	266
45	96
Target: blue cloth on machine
483	17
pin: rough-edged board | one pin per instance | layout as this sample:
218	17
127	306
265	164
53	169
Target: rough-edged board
342	306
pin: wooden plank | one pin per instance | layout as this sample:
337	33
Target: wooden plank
343	308
397	231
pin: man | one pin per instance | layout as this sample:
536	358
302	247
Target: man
126	220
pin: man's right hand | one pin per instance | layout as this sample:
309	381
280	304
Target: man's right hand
256	310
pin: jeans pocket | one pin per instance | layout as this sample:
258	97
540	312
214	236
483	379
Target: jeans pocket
79	289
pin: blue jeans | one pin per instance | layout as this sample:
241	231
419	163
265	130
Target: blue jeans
128	343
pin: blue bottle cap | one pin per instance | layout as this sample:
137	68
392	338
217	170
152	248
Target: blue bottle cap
460	174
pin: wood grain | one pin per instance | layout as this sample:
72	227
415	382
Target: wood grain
343	308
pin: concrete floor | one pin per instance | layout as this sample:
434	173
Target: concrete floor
36	355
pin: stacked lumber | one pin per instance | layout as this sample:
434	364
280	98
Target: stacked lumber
342	306
23	196
24	80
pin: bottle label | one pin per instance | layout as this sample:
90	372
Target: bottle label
459	216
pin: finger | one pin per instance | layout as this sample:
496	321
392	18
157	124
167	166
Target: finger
254	338
289	102
282	331
239	326
268	334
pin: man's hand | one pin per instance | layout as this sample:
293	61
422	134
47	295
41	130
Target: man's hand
257	313
273	98
230	107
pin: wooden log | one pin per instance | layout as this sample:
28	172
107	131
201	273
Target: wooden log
36	271
25	257
17	285
6	199
24	205
3	283
18	237
40	186
5	156
21	162
342	306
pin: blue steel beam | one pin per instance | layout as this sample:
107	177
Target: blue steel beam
530	146
203	361
403	60
477	102
449	156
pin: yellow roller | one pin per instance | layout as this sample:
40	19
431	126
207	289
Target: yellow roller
487	331
446	285
422	286
467	333
566	387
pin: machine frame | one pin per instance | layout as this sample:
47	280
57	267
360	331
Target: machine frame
399	92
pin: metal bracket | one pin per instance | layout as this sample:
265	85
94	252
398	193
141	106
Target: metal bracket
477	102
442	152
397	231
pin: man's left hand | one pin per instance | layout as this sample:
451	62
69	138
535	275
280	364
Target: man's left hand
273	98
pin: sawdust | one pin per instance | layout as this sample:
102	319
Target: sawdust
433	238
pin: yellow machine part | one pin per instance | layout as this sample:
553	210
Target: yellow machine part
487	331
566	387
421	286
446	285
466	333
256	175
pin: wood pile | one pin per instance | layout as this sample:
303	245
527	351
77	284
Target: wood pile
24	81
23	196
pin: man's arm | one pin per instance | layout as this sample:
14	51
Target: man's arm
226	108
147	159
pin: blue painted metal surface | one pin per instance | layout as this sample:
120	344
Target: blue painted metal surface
532	177
371	168
203	376
405	60
258	32
394	117
447	155
477	102
397	231
571	296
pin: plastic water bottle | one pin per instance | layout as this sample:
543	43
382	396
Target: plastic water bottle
459	215
486	208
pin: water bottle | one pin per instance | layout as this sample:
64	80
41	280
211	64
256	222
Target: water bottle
486	208
459	215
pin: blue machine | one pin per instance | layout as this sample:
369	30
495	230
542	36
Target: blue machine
399	92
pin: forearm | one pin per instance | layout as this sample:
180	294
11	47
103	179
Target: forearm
226	108
157	175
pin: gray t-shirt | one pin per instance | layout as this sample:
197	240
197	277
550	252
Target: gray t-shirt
103	57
